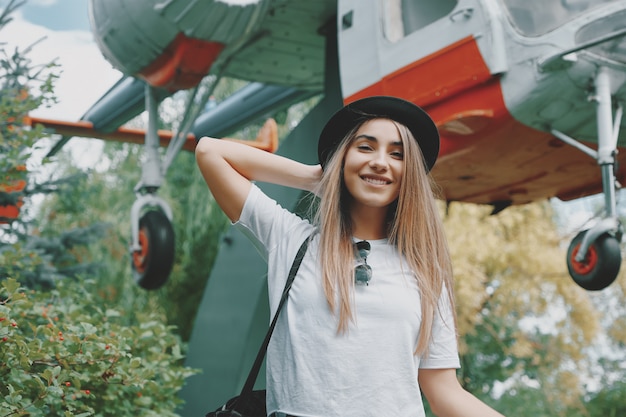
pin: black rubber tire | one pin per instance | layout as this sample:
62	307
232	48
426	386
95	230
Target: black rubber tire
601	265
153	264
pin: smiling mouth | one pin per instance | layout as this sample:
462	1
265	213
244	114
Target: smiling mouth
375	181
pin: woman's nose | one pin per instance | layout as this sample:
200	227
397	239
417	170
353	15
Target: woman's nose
379	161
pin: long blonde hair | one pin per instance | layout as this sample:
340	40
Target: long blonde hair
414	227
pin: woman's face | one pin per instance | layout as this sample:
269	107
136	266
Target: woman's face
374	164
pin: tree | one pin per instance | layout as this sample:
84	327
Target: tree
528	334
64	350
37	260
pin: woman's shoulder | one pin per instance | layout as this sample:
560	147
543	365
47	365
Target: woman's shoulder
269	221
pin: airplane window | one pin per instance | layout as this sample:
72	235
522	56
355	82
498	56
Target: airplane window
614	50
403	17
537	17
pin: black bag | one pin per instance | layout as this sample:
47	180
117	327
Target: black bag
251	403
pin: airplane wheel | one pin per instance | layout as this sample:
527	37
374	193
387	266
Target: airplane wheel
152	264
601	265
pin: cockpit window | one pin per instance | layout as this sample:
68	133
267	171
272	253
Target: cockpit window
538	17
403	17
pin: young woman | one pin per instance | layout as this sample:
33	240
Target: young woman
370	316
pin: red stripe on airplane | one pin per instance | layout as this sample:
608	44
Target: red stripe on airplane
182	64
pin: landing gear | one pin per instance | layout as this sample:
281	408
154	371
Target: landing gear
152	264
152	235
600	265
152	243
594	256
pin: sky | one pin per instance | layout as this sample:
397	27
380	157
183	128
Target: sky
59	30
62	27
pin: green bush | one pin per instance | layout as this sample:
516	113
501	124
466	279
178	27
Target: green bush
63	354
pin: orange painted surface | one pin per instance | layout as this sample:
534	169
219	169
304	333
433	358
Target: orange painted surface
183	63
85	129
11	212
8	213
436	77
486	156
266	140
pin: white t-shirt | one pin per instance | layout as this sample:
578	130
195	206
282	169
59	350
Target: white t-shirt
371	370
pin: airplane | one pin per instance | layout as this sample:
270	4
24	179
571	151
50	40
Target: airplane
527	95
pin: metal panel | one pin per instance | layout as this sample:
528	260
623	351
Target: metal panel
124	32
290	48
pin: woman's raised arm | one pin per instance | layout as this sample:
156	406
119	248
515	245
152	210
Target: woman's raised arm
228	168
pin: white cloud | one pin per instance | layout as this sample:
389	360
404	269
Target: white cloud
44	3
85	74
238	2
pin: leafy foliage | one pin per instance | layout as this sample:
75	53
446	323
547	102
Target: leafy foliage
23	88
529	336
65	348
36	261
65	353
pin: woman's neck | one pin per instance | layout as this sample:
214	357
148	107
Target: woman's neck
369	223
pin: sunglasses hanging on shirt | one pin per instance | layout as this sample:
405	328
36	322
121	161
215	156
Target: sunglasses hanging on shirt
362	271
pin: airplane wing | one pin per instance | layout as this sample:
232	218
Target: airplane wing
125	100
276	45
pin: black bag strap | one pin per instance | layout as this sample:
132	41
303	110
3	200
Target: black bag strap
256	367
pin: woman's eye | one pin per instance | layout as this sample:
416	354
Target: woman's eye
364	147
397	154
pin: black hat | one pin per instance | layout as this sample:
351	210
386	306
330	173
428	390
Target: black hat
413	117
